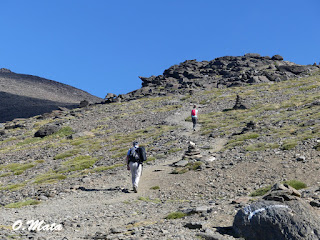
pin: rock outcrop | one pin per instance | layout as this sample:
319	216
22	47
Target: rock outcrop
222	72
281	215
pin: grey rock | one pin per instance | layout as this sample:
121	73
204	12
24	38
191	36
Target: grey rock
301	158
181	163
253	55
264	220
47	130
277	57
83	104
194	225
203	209
315	203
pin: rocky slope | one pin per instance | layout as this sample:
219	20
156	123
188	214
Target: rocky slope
24	95
76	178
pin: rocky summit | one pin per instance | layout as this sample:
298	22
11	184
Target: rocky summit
249	171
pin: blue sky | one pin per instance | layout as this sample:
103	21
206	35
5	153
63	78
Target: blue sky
102	46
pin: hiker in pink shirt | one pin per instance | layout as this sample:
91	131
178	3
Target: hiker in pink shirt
194	116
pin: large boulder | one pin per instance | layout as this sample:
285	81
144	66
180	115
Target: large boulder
280	215
47	130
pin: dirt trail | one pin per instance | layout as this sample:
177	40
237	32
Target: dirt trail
94	197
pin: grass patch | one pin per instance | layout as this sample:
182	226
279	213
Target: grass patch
22	204
296	184
67	154
13	187
155	188
147	199
29	141
261	191
65	131
150	159
293	183
49	178
191	166
290	144
175	215
173	150
78	163
261	146
105	168
17	168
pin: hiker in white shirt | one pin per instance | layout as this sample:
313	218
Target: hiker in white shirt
134	165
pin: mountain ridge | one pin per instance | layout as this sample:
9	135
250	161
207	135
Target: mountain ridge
26	95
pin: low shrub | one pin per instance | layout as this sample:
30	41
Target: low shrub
296	184
22	204
175	215
261	191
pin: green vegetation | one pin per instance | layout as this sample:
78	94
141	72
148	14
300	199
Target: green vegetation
286	121
78	163
173	150
65	131
22	204
261	146
150	159
155	188
105	168
17	168
191	166
293	183
175	215
296	184
13	187
49	178
317	147
147	199
261	191
66	154
29	141
290	144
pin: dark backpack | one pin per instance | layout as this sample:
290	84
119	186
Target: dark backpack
133	155
142	154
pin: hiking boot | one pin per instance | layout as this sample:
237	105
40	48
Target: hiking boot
135	189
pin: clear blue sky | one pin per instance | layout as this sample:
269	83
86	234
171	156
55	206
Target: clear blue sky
102	46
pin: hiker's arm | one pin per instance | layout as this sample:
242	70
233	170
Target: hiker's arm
127	162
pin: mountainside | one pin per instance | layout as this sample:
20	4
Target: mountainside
249	137
24	95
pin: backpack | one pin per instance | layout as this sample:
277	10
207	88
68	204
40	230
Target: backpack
142	154
194	112
133	155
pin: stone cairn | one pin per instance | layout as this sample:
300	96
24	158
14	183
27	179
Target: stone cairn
192	153
239	104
